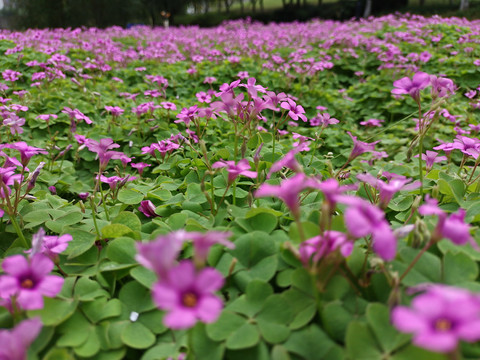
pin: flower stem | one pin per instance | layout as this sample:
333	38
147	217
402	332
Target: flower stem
420	164
104	204
19	232
94	217
415	260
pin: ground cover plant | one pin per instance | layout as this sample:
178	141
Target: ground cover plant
289	191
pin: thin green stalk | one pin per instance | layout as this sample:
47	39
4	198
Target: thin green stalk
300	228
314	147
415	260
25	243
104	204
212	191
234	189
420	164
420	145
236	142
94	217
222	199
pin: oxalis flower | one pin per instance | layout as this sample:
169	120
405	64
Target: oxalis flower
440	318
27	280
15	342
412	86
321	246
235	170
50	246
187	295
288	191
363	218
452	227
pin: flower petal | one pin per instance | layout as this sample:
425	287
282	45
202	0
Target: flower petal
51	285
209	308
180	318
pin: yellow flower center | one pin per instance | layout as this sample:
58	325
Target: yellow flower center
26	284
443	325
189	300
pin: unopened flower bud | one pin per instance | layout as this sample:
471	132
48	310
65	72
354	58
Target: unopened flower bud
64	151
82	206
416	203
435	191
203	147
34	176
256	157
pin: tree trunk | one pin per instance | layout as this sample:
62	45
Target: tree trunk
368	9
242	6
262	8
464	5
319	3
254	5
422	2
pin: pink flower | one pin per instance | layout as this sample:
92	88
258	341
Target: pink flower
187	295
332	189
363	218
76	114
161	254
287	161
440	317
360	147
412	86
227	88
103	149
320	246
372	123
47	117
323	120
11	75
15	124
288	191
294	111
452	227
168	105
140	166
202	242
209	80
471	94
431	157
83	195
203	97
15	342
112	181
114	110
28	280
8	178
187	115
147	208
235	170
26	151
50	246
387	190
252	89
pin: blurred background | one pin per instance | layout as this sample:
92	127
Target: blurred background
22	14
